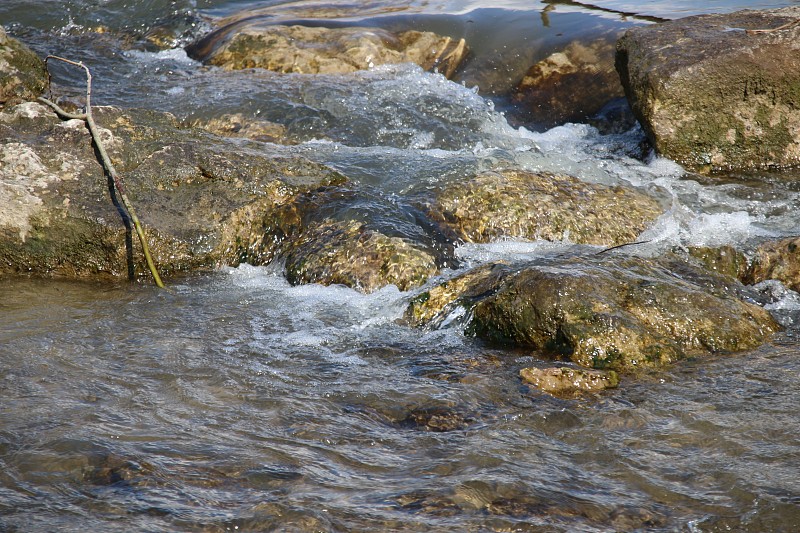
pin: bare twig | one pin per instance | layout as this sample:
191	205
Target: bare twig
779	28
604	250
104	159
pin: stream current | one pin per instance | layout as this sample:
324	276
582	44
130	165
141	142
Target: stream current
237	402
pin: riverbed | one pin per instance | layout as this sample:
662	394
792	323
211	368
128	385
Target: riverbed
238	402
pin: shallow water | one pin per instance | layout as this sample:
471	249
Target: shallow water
239	402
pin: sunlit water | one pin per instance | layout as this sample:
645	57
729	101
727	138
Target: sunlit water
239	402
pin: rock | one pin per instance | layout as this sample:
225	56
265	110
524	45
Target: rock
710	95
237	125
572	85
564	380
351	254
203	201
725	260
318	50
604	311
778	260
22	73
543	206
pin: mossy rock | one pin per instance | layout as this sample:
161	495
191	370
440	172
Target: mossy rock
566	380
543	206
22	73
604	312
351	254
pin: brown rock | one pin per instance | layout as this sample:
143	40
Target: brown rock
778	260
22	73
571	85
562	380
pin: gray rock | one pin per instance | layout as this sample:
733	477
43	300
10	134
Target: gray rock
711	95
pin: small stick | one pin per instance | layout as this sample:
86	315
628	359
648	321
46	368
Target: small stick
779	28
604	250
104	159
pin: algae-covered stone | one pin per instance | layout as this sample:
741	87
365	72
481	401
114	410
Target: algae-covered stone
238	125
711	95
563	380
351	254
778	260
203	201
22	73
725	260
571	85
554	207
607	312
318	50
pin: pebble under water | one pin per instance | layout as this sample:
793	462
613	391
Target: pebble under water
237	402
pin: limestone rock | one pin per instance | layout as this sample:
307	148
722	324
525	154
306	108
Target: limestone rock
22	73
318	50
564	380
519	204
349	253
711	95
604	312
203	201
571	85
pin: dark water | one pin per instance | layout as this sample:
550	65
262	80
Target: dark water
240	403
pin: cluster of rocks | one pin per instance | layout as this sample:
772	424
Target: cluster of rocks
210	202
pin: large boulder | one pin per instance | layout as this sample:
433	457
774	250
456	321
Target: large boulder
318	50
711	95
607	311
519	204
203	201
22	73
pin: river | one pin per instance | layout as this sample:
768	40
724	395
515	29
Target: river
237	402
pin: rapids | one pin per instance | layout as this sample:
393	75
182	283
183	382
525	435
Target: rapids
237	402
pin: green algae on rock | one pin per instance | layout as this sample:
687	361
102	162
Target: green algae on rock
351	254
778	260
604	312
543	206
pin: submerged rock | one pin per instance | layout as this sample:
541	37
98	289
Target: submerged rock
543	206
351	254
318	50
203	201
711	95
564	380
603	311
571	85
238	125
22	73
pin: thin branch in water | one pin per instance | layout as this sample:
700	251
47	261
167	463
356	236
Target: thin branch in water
604	250
105	160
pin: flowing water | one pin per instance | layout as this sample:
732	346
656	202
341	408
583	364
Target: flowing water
237	402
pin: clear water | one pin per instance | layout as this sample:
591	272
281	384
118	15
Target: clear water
238	402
